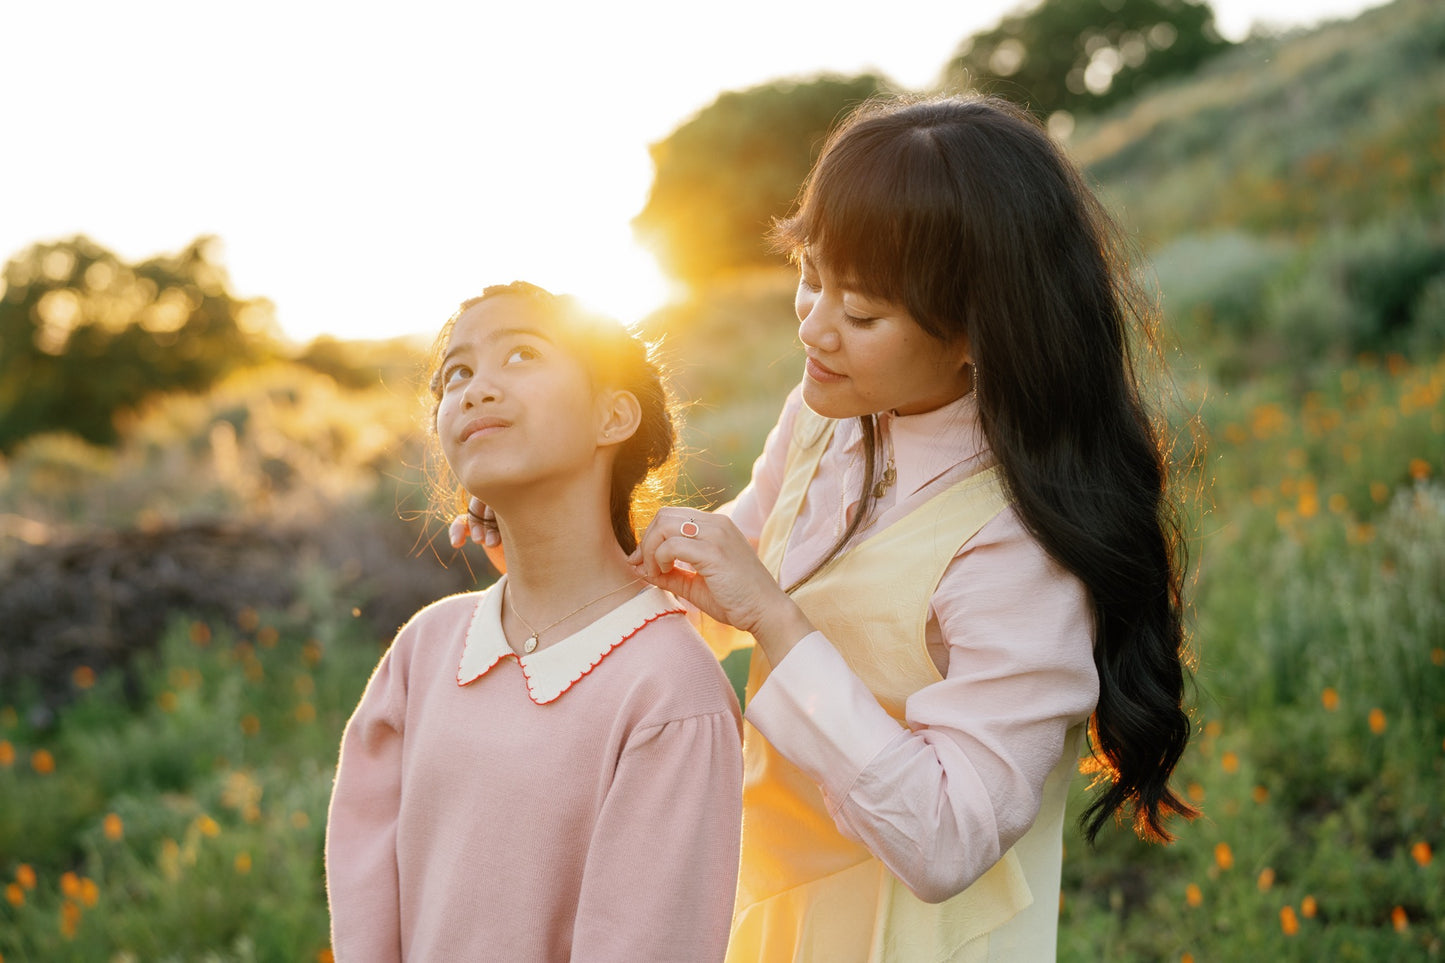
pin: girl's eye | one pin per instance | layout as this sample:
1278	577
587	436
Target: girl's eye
811	286
456	374
520	354
856	320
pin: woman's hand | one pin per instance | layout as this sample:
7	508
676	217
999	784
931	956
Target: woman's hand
720	574
479	524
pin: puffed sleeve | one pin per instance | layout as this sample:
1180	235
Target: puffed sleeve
750	509
361	867
940	800
662	866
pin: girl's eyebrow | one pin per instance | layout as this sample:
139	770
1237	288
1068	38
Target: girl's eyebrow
491	337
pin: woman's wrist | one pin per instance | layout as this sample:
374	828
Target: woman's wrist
779	628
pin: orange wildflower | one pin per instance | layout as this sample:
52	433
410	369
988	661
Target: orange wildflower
1399	919
250	725
1187	958
25	875
70	885
1266	879
267	637
167	701
208	827
69	919
1223	856
1193	896
1419	469
200	634
1437	656
1259	794
325	956
1377	721
305	712
243	863
7	753
113	827
83	677
1230	762
1288	921
42	762
1309	907
14	895
1330	699
1196	792
89	892
247	619
1420	852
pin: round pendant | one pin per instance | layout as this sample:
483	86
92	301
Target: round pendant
530	646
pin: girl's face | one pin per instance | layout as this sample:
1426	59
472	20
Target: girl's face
517	409
867	355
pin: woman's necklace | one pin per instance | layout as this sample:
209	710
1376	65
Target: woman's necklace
530	645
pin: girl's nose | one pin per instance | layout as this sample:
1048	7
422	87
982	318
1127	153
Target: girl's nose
478	393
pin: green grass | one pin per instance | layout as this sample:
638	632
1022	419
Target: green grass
186	823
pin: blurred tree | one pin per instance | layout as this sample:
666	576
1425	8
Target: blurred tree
721	178
84	336
1084	55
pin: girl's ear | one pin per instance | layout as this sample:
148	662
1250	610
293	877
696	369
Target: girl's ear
619	415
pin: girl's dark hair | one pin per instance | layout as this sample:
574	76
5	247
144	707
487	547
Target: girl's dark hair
963	211
646	463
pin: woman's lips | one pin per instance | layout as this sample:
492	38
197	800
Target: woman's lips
820	372
483	426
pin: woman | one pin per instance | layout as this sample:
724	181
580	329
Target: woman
957	554
549	769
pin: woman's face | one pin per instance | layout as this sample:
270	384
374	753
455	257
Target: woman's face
516	409
867	356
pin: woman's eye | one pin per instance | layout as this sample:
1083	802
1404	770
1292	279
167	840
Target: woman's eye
521	354
456	374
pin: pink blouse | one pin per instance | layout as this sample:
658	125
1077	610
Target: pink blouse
1010	629
578	802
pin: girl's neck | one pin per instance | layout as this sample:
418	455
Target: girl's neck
558	559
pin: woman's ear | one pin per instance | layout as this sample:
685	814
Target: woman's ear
619	415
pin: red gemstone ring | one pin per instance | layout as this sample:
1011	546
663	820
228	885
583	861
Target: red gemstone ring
690	529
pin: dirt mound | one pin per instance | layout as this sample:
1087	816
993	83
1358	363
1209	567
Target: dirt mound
100	601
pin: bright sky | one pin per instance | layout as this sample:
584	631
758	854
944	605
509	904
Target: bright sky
367	166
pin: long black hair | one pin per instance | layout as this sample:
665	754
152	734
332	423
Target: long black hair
963	211
645	466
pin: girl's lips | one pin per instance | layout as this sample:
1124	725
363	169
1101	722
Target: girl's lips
818	372
483	426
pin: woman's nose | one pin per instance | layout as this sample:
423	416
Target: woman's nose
814	327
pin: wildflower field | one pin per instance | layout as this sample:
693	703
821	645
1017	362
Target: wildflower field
165	799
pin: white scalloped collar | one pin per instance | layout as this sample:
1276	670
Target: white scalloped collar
553	670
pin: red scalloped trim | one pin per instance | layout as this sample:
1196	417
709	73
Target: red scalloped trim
594	665
489	668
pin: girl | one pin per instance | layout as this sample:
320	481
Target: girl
968	555
549	769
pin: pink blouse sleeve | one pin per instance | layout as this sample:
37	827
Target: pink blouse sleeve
941	800
361	868
676	797
750	509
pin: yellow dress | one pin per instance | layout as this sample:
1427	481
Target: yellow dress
806	892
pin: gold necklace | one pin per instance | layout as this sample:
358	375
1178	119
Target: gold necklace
530	645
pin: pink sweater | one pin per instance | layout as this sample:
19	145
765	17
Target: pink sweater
581	802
